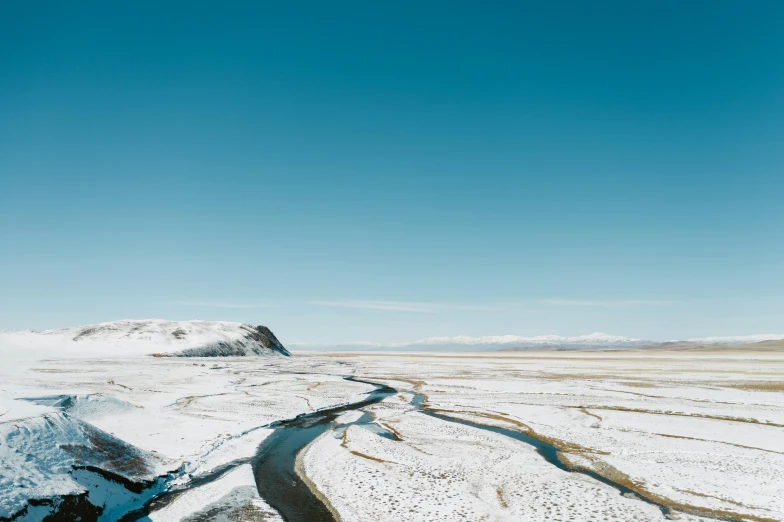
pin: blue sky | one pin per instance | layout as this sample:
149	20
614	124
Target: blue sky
388	171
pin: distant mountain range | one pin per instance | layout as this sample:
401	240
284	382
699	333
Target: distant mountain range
594	341
738	339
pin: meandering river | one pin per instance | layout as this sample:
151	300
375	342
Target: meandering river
274	465
275	462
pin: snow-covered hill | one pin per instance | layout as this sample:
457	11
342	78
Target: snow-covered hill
146	337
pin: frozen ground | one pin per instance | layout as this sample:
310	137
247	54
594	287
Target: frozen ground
175	417
699	436
703	433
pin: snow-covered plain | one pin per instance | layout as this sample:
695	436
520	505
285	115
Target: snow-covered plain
699	435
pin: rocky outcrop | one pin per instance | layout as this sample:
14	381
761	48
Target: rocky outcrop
258	340
265	336
56	467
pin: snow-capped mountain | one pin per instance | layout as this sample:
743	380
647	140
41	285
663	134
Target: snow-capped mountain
520	342
499	342
594	341
738	339
149	337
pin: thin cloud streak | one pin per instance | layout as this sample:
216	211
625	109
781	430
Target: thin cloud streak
212	304
394	306
409	306
607	304
430	307
363	304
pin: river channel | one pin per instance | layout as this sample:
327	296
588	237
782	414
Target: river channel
275	462
274	465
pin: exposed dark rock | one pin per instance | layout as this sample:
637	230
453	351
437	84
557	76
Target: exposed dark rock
105	453
65	508
264	335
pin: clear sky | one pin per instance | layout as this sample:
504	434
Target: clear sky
384	171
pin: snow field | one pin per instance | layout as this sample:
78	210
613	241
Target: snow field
446	471
702	432
233	497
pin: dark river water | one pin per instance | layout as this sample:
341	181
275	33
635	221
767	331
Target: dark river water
274	463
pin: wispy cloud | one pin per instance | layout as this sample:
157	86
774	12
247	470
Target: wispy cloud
395	306
429	307
607	303
221	304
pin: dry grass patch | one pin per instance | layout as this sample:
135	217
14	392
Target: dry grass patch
640	384
772	386
393	431
678	414
595	424
365	456
717	442
501	500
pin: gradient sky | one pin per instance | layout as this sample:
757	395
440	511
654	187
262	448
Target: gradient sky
384	171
